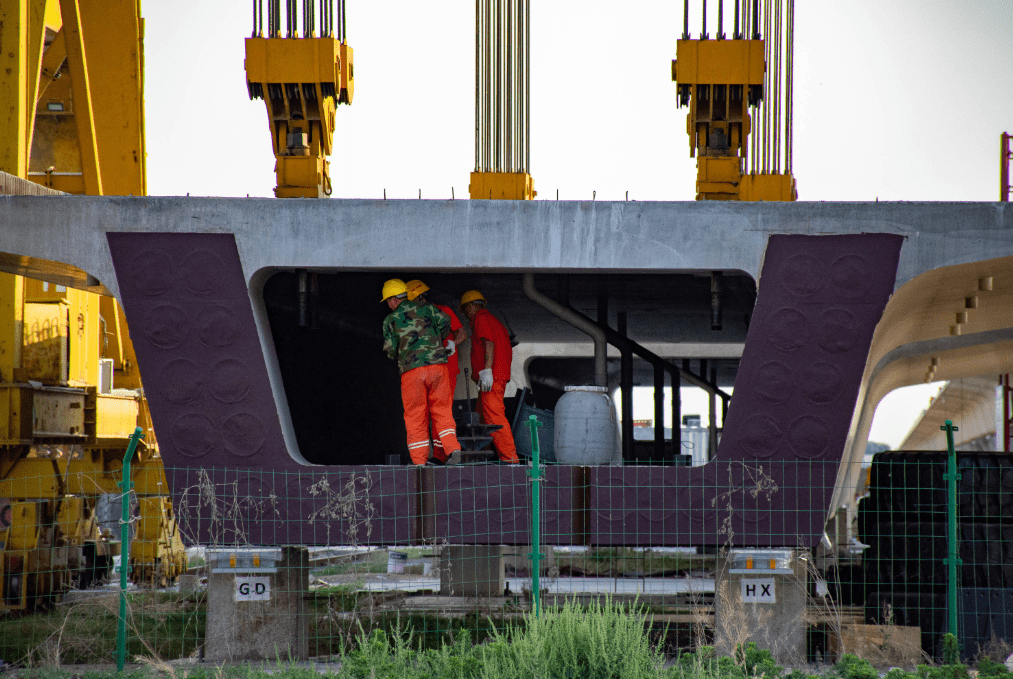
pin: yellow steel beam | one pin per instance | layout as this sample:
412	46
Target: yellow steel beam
113	33
55	55
77	59
45	479
16	407
12	310
85	476
36	41
30	478
770	187
14	55
719	62
502	186
24	530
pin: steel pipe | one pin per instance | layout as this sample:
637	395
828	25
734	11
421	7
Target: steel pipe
659	412
578	321
626	390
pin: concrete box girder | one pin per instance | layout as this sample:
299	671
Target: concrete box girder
491	236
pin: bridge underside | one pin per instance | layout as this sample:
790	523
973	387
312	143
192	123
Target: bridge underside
236	382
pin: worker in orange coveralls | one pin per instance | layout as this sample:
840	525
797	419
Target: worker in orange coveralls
413	337
417	293
491	355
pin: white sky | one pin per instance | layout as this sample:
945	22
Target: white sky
894	99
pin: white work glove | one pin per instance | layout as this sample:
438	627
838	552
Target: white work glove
485	379
451	348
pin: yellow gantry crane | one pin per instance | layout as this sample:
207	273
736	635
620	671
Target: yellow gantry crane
302	76
72	121
738	88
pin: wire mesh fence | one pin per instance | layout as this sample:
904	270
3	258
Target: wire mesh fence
286	565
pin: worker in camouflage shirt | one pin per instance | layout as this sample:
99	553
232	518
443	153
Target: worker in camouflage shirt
413	337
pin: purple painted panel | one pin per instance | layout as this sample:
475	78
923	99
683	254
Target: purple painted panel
214	413
818	303
485	504
492	505
307	505
197	346
564	499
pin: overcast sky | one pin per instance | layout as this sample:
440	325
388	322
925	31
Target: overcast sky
894	99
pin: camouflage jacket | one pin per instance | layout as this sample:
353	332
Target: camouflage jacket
413	335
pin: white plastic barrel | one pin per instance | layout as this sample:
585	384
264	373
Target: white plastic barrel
585	427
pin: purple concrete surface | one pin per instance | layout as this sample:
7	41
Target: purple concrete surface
206	380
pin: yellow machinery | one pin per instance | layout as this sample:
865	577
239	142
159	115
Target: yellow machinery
740	155
301	77
502	106
71	120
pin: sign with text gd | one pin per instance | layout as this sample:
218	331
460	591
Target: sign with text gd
253	588
758	591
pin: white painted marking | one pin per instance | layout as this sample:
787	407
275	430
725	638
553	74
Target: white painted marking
758	591
250	588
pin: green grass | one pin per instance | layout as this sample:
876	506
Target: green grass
603	640
172	625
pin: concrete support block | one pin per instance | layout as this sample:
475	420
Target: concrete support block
241	626
766	607
472	571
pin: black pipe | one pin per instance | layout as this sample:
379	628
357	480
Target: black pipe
344	16
603	310
659	412
685	20
712	438
736	34
703	30
302	297
314	300
756	19
716	277
626	389
676	415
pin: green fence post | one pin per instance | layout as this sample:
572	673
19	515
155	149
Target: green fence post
952	559
126	485
536	507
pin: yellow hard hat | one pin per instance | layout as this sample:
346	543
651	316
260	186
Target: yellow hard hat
393	288
472	296
415	288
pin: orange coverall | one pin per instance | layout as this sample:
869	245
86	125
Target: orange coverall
452	370
485	326
425	393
